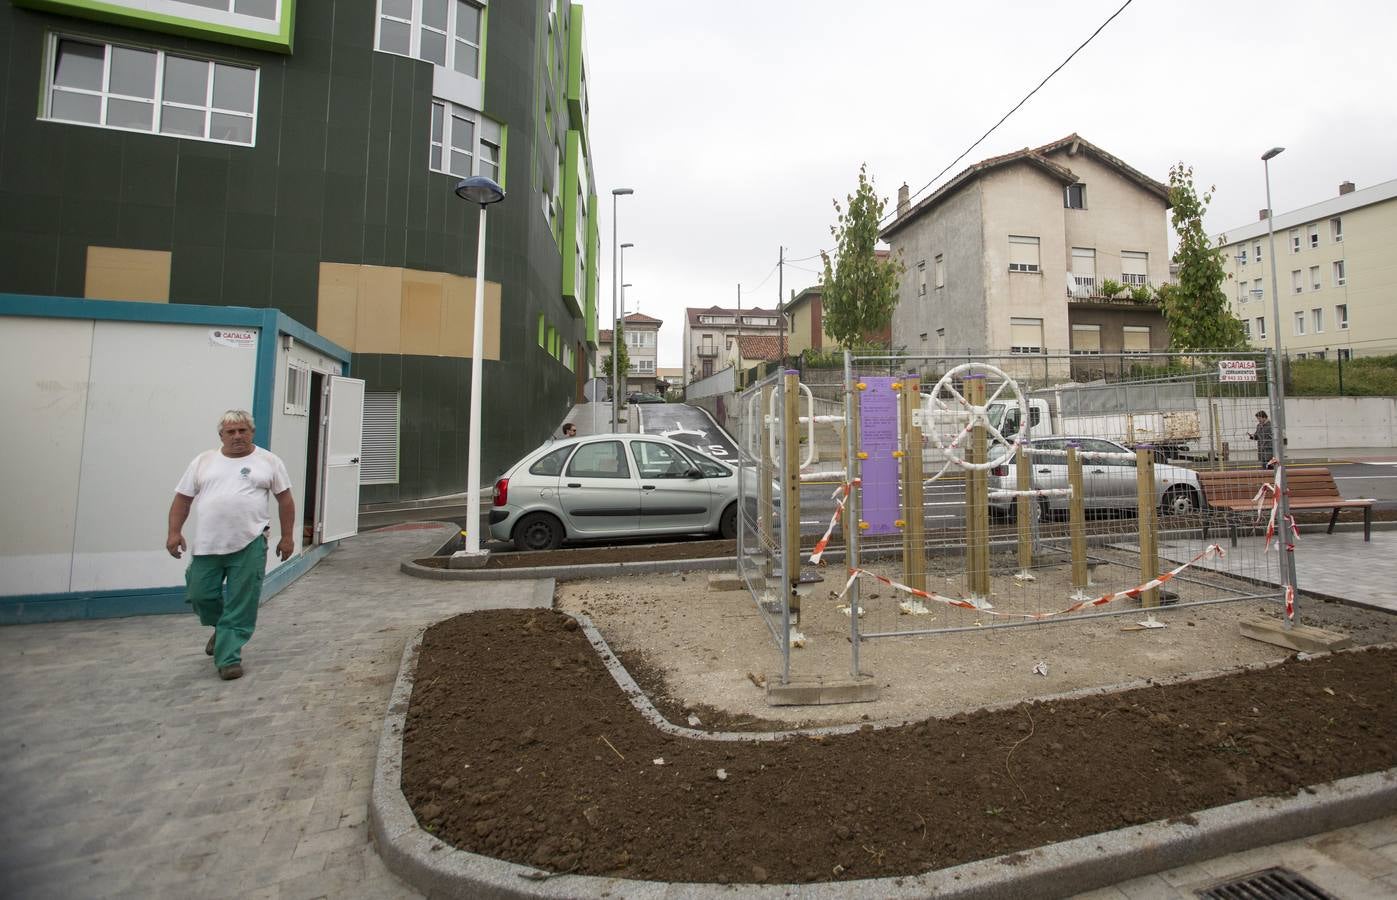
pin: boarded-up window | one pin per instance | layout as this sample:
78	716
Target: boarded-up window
379	454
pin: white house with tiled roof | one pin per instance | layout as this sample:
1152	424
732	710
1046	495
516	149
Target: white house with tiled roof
1009	255
709	332
642	349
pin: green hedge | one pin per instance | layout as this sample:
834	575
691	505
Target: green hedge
1367	376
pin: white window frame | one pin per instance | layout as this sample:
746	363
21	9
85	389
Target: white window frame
1297	281
482	129
416	26
921	278
1341	315
1314	278
1261	328
379	453
1336	229
1345	353
940	269
1340	273
1026	267
297	396
1246	328
1242	255
1294	240
156	100
1081	191
1313	229
1085	330
1135	329
1256	251
1137	279
1317	320
1299	324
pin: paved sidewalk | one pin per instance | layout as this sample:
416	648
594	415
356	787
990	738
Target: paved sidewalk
129	770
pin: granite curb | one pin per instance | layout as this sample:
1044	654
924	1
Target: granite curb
1056	870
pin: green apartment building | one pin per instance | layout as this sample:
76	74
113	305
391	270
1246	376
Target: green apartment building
301	156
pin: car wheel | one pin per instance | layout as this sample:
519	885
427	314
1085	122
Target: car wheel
727	523
538	531
1179	501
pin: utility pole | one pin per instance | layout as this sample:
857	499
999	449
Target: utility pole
780	304
738	380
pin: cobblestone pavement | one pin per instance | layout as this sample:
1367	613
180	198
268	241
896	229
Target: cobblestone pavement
129	770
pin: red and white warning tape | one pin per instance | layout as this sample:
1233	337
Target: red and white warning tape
840	497
979	603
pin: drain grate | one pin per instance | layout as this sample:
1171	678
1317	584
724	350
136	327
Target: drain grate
1268	884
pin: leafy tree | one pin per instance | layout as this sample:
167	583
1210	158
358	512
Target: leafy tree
860	290
1196	307
623	359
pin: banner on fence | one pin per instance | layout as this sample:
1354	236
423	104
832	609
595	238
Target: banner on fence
1236	370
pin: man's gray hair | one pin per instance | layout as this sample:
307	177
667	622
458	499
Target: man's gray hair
237	417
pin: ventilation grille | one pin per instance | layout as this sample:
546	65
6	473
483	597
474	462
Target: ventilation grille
379	453
1268	884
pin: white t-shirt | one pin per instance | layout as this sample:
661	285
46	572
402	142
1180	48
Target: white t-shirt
233	496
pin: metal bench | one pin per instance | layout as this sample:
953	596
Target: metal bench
1234	490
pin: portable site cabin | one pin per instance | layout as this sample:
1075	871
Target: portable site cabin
106	402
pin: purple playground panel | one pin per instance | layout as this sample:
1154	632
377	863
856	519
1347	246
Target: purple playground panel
881	505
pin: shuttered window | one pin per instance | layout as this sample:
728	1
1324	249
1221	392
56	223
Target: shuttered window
1025	335
1023	253
379	456
1086	339
1136	338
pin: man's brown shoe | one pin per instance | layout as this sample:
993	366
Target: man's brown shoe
228	673
208	648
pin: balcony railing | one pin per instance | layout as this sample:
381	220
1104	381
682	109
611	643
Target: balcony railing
707	350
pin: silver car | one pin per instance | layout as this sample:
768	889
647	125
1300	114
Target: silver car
1106	483
610	486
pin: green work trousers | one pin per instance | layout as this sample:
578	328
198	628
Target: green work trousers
233	614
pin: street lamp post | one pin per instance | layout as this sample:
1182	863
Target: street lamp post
1278	397
615	282
484	191
617	327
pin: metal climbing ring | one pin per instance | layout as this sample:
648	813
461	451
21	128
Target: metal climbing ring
957	406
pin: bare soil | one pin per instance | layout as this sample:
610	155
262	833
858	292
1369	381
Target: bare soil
519	745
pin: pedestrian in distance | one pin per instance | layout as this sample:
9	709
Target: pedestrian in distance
569	430
1265	439
232	485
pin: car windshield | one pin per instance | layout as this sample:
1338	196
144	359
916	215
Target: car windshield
710	468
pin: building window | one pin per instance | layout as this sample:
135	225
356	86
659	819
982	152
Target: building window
1084	269
1256	254
1241	256
1086	340
1026	335
1314	236
921	278
1317	320
379	452
542	330
1023	254
1135	267
261	9
940	271
1314	278
1257	290
941	340
464	142
1345	353
1246	328
133	89
1341	316
1340	276
1135	339
1295	281
1261	328
1336	229
297	400
1294	240
1300	322
442	32
1074	196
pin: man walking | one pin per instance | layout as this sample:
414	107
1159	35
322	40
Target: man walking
1265	441
233	484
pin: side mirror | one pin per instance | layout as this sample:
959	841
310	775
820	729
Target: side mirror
695	473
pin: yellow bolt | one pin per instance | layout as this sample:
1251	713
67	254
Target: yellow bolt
863	526
861	386
900	523
862	454
897	385
898	454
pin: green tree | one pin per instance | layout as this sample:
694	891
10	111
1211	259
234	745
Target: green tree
623	359
1196	306
860	290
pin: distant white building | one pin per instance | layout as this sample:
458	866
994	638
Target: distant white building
642	348
1336	272
709	332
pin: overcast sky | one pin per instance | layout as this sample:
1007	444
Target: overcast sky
737	123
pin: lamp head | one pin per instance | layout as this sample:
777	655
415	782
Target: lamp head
621	192
479	189
624	246
1272	153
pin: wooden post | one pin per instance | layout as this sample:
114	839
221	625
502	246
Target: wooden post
850	520
1216	426
790	491
913	513
767	470
1077	519
1024	508
977	529
1149	535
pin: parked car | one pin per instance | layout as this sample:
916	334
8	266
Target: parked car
613	486
644	398
1106	484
